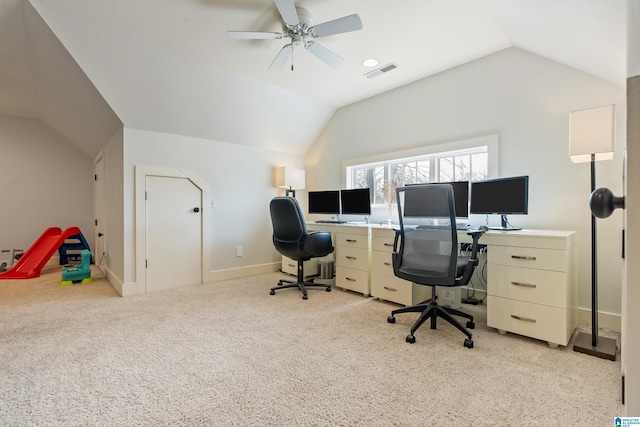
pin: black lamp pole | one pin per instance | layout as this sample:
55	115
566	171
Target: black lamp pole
604	348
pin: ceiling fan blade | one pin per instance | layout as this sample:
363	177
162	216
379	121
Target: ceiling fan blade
337	26
287	9
253	35
324	54
282	57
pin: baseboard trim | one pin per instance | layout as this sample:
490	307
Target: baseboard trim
605	320
238	273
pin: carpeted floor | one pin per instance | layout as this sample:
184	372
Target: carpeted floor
229	354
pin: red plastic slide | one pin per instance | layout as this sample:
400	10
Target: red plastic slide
30	264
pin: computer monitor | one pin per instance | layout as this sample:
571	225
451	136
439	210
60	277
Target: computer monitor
460	200
324	202
503	196
356	201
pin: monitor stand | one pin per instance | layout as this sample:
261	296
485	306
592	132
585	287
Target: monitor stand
504	225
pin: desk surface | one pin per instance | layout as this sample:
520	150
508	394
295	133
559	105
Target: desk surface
504	233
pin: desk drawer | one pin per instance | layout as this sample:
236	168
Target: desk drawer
545	259
352	240
532	320
394	289
382	243
381	263
352	257
353	279
526	284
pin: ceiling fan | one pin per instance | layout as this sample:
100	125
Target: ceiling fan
297	25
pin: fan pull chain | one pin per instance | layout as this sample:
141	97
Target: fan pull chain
292	50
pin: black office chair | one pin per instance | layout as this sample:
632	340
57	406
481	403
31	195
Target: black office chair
425	251
291	239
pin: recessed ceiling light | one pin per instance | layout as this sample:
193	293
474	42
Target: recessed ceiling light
371	62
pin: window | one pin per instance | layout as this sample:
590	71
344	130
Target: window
468	164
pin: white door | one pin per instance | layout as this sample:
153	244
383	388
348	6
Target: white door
98	191
173	233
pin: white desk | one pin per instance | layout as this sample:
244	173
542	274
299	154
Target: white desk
531	276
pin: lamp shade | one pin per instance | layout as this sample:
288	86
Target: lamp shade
290	178
592	134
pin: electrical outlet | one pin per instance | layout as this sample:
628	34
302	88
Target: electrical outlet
238	250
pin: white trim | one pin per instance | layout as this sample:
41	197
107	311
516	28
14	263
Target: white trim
141	173
238	273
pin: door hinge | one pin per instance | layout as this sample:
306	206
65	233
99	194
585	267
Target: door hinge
146	263
95	177
96	221
145	195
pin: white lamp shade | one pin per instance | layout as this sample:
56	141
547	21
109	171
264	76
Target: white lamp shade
592	132
290	178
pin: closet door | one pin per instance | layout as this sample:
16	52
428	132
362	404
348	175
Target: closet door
173	234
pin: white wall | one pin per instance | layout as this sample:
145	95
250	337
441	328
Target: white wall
114	230
526	101
45	181
242	184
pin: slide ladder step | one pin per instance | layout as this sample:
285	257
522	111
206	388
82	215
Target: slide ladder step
65	256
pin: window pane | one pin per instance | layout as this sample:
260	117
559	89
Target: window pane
378	185
479	166
422	172
446	169
462	168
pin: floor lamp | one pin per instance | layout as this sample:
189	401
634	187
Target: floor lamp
291	179
592	139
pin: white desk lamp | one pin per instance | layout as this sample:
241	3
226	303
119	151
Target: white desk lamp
291	179
592	139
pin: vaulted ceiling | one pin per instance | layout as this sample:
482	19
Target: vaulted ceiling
86	67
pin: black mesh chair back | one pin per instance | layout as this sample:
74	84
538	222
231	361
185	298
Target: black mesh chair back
429	244
426	252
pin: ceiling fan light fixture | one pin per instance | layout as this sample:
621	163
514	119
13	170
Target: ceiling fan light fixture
370	62
297	40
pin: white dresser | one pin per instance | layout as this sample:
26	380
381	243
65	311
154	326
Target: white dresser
532	284
384	284
352	243
352	259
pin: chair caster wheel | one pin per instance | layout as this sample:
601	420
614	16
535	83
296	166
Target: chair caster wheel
272	292
305	296
410	339
468	343
471	324
391	319
328	289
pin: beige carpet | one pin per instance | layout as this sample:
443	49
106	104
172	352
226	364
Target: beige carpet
229	354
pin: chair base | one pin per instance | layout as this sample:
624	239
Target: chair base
432	310
302	285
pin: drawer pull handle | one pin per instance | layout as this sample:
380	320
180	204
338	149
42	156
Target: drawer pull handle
291	265
526	258
524	285
524	319
390	245
350	257
352	241
388	263
350	279
390	289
